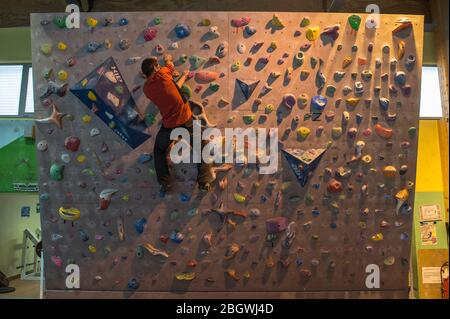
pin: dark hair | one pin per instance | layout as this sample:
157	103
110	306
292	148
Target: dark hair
148	66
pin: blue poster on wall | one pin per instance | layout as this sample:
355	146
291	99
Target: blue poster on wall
25	211
105	93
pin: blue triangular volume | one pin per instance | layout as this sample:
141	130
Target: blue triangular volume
303	162
105	93
247	87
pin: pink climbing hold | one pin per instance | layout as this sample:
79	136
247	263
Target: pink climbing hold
206	76
241	22
150	34
56	260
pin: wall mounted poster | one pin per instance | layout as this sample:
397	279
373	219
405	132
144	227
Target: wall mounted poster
430	213
428	233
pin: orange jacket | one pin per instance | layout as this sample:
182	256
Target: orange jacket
162	91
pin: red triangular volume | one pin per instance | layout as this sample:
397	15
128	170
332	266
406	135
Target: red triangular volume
247	87
303	162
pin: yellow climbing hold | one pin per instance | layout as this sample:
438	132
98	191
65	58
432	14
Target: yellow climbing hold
377	237
353	101
91	22
402	195
239	198
62	46
92	249
188	276
126	197
312	33
62	75
86	119
81	158
367	159
303	132
389	171
92	96
71	213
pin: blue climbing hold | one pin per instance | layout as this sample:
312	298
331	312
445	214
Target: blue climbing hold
333	225
176	236
144	158
140	224
182	30
123	21
384	103
318	104
133	283
315	212
83	235
184	198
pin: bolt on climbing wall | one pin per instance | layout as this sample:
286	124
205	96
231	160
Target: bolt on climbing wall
343	92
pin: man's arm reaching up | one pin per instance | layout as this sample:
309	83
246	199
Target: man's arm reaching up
168	61
182	79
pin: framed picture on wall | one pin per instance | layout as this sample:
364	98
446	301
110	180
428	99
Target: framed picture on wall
428	234
430	213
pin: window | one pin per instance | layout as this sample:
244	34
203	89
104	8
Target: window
430	96
10	86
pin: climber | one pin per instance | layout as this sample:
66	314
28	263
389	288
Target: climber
165	93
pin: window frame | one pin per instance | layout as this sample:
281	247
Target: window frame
23	92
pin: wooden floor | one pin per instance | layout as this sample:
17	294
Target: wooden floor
25	289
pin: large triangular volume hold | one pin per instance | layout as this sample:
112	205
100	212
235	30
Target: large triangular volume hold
105	93
303	162
247	87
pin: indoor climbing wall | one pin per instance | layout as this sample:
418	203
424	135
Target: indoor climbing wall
343	92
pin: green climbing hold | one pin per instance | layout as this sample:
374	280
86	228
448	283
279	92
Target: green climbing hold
309	199
60	22
157	20
196	61
150	119
269	108
56	172
412	132
119	89
183	58
213	86
306	21
174	215
186	90
249	119
354	21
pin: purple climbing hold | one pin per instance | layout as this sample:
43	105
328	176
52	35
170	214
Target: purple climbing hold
289	100
332	32
276	224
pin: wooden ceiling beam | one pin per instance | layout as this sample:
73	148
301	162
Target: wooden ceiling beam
14	13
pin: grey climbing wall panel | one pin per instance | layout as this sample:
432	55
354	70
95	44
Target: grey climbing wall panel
334	234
